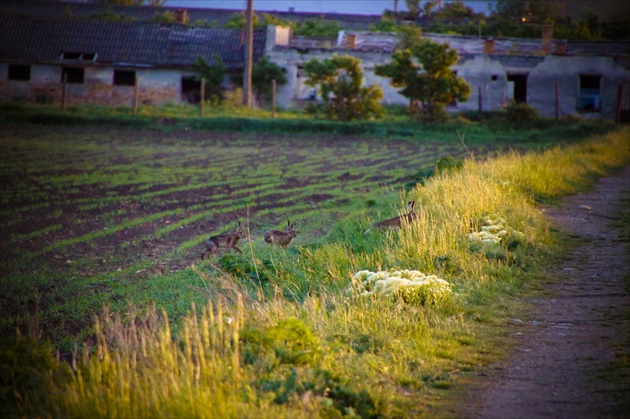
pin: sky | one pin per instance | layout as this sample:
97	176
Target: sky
368	7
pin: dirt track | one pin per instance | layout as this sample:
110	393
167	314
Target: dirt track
579	338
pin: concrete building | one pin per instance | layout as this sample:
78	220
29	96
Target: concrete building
104	60
590	79
101	60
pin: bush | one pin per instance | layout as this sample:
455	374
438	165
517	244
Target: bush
521	112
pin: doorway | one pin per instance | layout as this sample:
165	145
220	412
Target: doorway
520	87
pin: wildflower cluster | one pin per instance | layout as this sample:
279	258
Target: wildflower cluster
410	286
491	232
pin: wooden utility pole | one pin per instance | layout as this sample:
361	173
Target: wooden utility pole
202	96
136	95
619	103
480	99
249	54
64	92
273	98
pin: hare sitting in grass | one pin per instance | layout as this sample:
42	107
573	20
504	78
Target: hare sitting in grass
228	240
396	222
281	238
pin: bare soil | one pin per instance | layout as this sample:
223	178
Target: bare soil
573	357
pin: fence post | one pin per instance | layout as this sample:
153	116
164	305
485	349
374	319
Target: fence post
273	98
557	100
64	88
136	93
202	96
480	99
619	103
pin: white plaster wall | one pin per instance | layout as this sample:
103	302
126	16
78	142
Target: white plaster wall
479	73
566	71
291	59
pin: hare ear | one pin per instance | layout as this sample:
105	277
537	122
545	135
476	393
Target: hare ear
410	205
289	223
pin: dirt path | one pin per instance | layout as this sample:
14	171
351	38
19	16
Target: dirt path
574	360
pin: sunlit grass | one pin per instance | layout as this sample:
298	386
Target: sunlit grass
292	340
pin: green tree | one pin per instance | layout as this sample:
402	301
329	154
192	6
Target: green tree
423	72
237	21
414	8
455	10
166	17
154	3
213	74
263	72
318	28
534	11
339	80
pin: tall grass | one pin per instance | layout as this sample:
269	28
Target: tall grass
313	347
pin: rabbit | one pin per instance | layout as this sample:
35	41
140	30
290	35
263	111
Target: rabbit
229	240
396	222
281	238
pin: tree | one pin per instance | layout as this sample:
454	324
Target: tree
237	21
535	11
263	73
422	71
340	80
213	74
414	8
318	28
455	10
153	3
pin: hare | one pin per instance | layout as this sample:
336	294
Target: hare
396	222
229	240
281	238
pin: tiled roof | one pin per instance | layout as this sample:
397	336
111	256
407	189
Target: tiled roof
46	39
473	45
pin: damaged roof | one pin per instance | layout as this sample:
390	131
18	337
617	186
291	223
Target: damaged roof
48	39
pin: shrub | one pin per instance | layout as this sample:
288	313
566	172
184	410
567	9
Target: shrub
521	112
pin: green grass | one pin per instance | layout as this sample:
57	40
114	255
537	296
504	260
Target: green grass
272	332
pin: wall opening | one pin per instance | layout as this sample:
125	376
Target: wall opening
191	88
76	75
520	87
83	56
124	78
19	72
590	95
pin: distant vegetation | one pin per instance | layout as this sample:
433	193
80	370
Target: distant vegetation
519	19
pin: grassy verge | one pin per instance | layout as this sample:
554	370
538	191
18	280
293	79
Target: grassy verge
384	323
234	119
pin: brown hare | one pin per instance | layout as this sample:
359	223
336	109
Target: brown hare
281	238
228	240
396	222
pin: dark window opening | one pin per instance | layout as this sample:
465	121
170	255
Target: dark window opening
71	55
494	77
124	78
590	97
19	72
191	89
85	56
75	75
520	87
301	73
